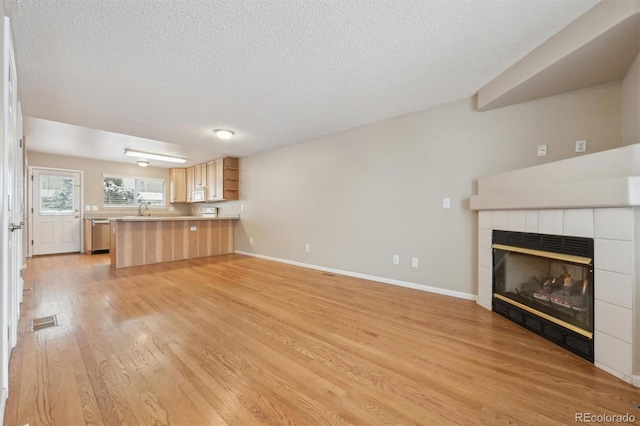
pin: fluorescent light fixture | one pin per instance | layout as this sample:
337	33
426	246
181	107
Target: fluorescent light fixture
151	156
224	134
143	163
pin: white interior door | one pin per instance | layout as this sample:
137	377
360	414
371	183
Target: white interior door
9	208
14	172
56	211
4	243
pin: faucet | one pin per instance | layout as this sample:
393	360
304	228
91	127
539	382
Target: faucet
140	208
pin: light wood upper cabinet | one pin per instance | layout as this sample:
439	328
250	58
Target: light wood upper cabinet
222	179
211	192
190	183
177	185
230	175
218	177
199	176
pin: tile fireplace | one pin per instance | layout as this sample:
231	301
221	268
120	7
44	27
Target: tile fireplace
594	197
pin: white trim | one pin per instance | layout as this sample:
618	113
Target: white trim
636	381
445	292
3	404
29	203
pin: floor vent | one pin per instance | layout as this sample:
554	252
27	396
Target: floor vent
328	274
44	322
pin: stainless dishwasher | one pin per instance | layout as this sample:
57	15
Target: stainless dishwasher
99	236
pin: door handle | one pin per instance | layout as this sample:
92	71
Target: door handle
14	227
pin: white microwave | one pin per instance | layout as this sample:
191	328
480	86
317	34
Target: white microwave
197	195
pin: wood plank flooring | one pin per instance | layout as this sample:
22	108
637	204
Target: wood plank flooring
242	341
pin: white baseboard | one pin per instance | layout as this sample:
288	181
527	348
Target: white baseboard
636	381
445	292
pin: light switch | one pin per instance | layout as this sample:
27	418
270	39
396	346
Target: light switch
446	203
94	208
87	208
542	150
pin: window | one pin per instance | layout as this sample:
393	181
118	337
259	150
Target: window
120	191
56	195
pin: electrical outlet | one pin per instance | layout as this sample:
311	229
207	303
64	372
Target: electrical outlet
250	240
414	262
193	228
581	146
446	203
396	259
241	207
307	248
542	150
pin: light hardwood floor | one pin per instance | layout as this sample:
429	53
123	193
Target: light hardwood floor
239	340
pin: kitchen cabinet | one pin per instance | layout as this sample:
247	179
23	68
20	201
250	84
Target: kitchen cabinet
88	236
190	179
211	192
218	178
227	174
231	177
222	179
142	241
199	176
177	185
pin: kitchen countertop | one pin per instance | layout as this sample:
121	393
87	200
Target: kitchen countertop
168	218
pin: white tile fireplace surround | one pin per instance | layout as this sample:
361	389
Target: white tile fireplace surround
595	196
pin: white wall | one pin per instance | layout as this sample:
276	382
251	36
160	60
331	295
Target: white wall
631	104
360	196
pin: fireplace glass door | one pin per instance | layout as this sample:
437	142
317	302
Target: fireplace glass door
559	290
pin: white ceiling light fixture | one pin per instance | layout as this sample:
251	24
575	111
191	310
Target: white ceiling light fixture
224	134
160	157
143	163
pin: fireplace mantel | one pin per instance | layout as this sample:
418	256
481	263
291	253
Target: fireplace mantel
594	196
603	179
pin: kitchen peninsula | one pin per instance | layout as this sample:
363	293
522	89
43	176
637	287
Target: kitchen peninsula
144	240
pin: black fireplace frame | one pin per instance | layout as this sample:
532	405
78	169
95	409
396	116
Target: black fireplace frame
576	343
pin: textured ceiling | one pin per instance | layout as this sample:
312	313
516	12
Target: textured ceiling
275	71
